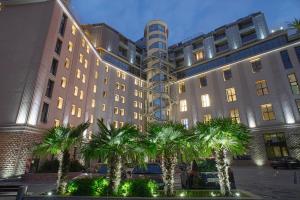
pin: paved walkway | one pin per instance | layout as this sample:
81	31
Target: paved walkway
268	183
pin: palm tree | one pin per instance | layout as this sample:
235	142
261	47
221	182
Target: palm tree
114	145
218	137
295	24
56	142
167	142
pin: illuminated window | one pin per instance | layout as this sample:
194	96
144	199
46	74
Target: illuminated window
206	118
88	49
205	101
83	78
123	87
63	82
60	103
122	112
234	115
92	119
123	76
122	99
135	115
261	88
85	63
121	124
298	104
294	83
78	112
140	105
103	107
73	110
183	105
80	58
230	94
140	117
96	75
73	29
81	95
203	81
116	110
141	83
136	81
141	94
256	65
227	75
97	62
75	91
56	122
135	93
185	123
105	81
78	73
115	123
106	68
70	46
181	87
82	42
140	127
94	88
93	103
267	112
118	73
104	93
67	63
117	97
199	55
135	104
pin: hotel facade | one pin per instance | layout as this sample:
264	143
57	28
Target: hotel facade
55	71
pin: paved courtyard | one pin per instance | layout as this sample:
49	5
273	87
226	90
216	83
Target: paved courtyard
268	183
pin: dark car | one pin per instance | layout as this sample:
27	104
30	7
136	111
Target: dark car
150	171
285	162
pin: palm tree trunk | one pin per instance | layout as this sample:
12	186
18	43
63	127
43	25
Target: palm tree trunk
168	168
221	166
59	172
115	165
228	184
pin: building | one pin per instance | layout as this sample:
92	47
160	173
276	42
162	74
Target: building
55	71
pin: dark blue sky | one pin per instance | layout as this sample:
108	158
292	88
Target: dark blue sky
185	18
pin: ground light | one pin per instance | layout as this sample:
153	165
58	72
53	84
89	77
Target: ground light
212	194
49	193
237	194
182	194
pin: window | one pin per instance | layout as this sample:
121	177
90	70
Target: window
157	36
234	115
54	66
103	107
88	49
122	99
106	68
49	89
205	101
73	29
286	59
230	94
267	112
135	115
60	103
93	103
82	42
156	27
298	104
181	87
44	114
140	94
117	97
123	87
118	73
115	123
140	117
206	118
85	63
81	95
135	104
104	93
67	63
276	146
199	55
81	58
256	66
203	81
227	75
63	24
294	83
261	88
97	62
183	105
141	105
78	112
78	73
92	119
121	124
185	123
136	81
83	78
123	76
63	82
96	75
158	45
122	112
70	46
105	81
58	46
136	93
73	110
297	51
75	91
94	88
56	122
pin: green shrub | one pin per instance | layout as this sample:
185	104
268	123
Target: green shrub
87	187
138	188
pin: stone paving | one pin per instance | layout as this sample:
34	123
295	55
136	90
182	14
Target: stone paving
269	183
